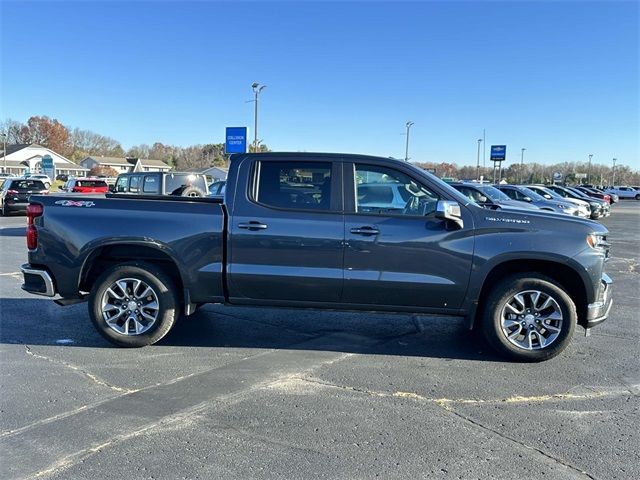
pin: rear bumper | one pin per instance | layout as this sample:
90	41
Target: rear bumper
598	311
37	281
15	206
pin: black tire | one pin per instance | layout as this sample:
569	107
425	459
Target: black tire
167	300
638	196
491	317
192	192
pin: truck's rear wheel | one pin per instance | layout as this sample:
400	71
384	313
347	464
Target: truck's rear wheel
528	317
133	304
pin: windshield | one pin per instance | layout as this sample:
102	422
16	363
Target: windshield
546	191
531	194
577	192
493	193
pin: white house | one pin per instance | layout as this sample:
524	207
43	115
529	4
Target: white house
25	158
124	165
217	173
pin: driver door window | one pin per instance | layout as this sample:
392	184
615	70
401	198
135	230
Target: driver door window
383	191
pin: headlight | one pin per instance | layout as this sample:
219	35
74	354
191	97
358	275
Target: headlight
562	206
597	240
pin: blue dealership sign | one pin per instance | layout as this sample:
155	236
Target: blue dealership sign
498	153
47	167
236	140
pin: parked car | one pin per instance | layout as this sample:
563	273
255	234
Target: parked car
599	208
383	196
524	194
7	175
490	197
584	209
183	184
524	279
624	192
85	185
15	194
62	177
592	192
216	189
40	176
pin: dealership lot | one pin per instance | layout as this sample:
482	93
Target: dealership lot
263	393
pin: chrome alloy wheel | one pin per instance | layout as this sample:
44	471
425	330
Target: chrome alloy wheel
130	306
531	320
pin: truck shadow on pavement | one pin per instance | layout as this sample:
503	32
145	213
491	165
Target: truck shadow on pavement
41	322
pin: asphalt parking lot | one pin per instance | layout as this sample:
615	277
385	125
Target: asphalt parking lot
268	393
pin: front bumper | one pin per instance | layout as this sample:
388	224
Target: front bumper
598	311
37	281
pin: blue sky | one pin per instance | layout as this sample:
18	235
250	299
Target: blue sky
558	78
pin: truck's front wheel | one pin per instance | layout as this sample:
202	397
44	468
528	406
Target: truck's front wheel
133	305
528	317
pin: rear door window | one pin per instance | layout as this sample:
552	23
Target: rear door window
294	185
134	184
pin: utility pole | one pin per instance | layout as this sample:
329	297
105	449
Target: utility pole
484	149
257	88
478	161
521	163
406	148
589	169
613	173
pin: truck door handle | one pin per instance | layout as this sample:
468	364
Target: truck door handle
365	231
252	225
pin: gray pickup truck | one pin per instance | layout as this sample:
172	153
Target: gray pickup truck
310	231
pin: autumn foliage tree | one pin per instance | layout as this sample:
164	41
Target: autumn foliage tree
46	132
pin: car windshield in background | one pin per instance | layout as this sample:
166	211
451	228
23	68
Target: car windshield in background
27	185
493	193
91	183
531	194
175	183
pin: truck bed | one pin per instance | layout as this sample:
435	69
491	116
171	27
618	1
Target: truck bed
76	230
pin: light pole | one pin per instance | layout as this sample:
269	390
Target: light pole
613	173
521	163
478	161
589	169
257	88
406	148
4	151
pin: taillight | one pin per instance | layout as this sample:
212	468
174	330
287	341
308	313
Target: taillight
12	192
44	192
33	210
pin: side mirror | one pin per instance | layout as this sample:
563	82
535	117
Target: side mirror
449	210
527	199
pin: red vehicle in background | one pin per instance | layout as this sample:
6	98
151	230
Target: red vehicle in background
85	185
592	192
